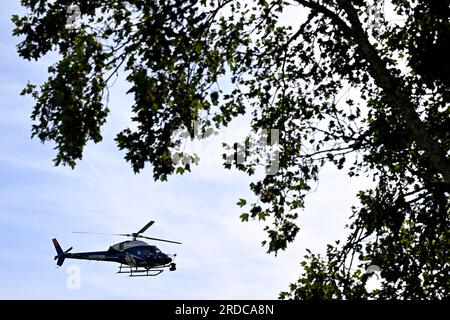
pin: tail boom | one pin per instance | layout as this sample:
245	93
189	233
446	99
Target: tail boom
97	255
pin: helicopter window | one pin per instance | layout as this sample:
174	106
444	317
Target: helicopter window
155	249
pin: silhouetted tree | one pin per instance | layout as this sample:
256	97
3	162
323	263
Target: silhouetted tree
175	54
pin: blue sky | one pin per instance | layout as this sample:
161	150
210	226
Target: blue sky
221	258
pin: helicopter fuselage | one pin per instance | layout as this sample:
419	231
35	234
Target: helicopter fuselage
136	258
133	253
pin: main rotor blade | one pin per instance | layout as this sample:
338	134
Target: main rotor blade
91	232
145	227
109	234
159	239
123	234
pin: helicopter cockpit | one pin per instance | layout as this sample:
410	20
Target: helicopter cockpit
150	251
128	244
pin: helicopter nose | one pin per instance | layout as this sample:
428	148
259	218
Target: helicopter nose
166	259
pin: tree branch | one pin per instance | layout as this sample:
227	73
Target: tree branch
317	7
399	98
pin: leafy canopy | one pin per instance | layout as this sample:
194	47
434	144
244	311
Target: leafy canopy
293	78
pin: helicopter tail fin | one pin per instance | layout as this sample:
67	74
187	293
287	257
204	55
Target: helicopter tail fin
58	248
61	255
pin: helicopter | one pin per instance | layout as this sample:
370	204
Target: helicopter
136	257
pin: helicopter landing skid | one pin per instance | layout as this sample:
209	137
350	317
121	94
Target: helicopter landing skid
139	271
